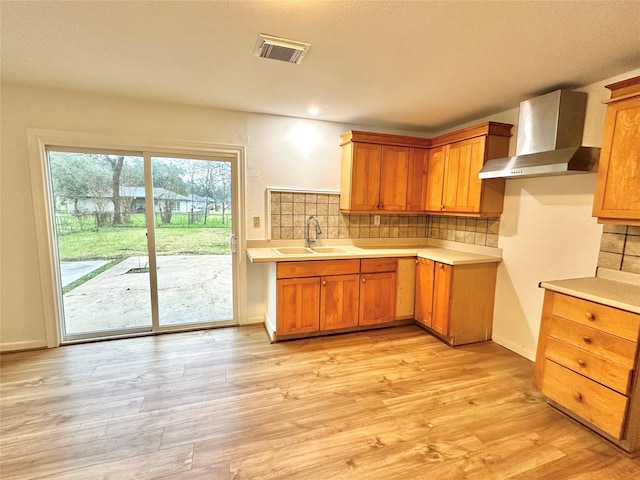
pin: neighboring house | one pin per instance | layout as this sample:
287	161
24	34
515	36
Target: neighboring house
133	199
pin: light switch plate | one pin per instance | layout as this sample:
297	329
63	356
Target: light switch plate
256	222
376	219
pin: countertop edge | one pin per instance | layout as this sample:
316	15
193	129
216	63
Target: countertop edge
439	254
604	291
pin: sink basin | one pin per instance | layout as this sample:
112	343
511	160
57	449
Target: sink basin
327	250
293	251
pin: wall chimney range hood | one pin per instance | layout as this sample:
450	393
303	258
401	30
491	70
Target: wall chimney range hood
549	139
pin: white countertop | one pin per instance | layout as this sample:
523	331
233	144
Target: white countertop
451	256
618	293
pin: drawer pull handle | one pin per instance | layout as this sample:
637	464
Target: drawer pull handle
590	316
582	363
587	340
577	396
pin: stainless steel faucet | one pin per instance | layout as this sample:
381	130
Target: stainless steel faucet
307	237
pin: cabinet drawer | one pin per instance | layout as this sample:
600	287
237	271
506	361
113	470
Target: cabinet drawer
598	405
593	366
594	341
608	319
317	268
374	265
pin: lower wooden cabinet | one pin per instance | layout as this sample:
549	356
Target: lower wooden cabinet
298	305
339	298
316	295
587	365
377	291
456	302
329	295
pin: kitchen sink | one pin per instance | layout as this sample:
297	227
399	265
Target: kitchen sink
327	250
293	251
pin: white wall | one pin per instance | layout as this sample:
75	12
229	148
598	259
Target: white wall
547	230
546	233
280	152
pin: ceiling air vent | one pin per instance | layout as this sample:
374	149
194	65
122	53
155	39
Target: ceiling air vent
280	49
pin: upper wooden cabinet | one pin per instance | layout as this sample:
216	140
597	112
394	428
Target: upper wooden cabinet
453	186
375	171
617	197
417	183
391	173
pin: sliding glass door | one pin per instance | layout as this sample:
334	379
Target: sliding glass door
143	242
193	233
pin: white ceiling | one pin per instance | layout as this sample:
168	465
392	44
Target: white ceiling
414	65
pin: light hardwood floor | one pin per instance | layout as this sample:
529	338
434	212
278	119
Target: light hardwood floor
225	404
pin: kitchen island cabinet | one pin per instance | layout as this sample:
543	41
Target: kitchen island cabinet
587	360
617	197
456	302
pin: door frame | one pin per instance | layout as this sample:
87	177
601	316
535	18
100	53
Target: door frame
38	140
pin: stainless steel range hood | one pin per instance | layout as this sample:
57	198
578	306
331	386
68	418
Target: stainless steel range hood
549	139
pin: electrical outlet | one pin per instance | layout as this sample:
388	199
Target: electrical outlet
256	222
376	219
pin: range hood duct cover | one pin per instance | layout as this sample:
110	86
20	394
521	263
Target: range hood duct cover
549	140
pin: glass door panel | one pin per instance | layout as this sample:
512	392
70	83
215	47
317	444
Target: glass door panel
100	230
193	227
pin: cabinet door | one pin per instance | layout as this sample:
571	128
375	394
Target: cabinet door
443	275
394	173
365	177
424	291
618	186
298	305
462	188
377	298
339	301
417	182
435	178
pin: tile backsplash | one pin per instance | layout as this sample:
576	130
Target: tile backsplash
620	248
290	210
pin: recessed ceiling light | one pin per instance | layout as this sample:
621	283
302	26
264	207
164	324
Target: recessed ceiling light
313	111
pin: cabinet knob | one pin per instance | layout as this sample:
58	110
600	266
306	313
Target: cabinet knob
324	283
582	363
587	340
577	396
590	316
417	262
364	280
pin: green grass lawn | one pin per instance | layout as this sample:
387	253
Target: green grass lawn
119	242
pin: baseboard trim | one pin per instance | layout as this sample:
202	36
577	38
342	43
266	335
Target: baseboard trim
22	346
514	347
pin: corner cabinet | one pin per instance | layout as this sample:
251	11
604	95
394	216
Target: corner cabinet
456	301
455	159
587	365
375	172
390	173
617	197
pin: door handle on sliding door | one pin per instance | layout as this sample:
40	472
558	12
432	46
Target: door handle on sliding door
234	243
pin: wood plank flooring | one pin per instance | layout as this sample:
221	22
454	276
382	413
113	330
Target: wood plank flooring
225	404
